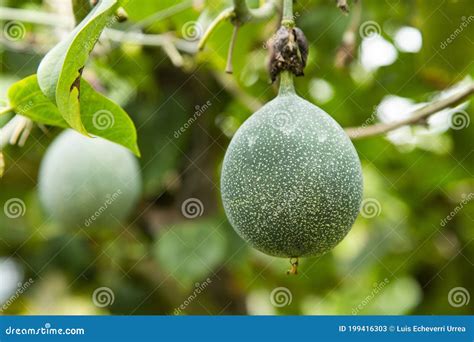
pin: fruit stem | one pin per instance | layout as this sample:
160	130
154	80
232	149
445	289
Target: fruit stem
294	266
287	19
286	83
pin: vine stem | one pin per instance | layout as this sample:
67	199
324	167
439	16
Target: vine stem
244	13
54	20
346	51
417	116
240	14
224	15
36	17
230	53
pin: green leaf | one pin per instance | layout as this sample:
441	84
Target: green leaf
101	116
106	119
26	99
59	73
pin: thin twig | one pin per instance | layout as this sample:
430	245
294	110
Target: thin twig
240	14
265	11
36	17
49	19
224	15
173	54
150	40
228	68
347	50
416	117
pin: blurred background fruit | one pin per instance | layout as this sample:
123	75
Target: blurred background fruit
85	181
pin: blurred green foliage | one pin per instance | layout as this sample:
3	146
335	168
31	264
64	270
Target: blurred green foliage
401	261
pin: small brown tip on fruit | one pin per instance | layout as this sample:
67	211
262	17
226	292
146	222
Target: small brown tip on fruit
294	267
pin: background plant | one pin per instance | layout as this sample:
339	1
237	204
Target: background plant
151	68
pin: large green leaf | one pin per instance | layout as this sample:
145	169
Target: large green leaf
100	116
60	71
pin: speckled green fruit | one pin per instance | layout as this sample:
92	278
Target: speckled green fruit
88	181
291	179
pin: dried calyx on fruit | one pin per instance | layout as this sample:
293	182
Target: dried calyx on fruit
288	51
